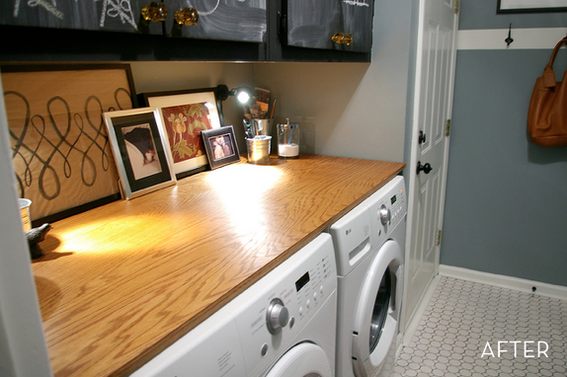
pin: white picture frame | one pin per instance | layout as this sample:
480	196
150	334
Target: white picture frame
198	111
142	157
529	6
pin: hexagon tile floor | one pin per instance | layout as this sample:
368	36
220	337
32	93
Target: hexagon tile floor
464	322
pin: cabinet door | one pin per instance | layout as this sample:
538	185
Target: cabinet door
314	23
111	15
357	21
229	20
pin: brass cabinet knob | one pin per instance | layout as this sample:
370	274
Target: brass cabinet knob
342	39
154	12
187	16
338	38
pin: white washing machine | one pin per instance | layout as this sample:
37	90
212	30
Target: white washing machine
369	245
282	326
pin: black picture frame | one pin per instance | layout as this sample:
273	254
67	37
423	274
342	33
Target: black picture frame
532	6
220	145
138	144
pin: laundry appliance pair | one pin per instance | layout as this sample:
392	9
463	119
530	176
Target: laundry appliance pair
330	310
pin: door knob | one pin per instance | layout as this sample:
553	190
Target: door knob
425	168
421	138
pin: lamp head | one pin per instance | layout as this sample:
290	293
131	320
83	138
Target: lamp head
241	93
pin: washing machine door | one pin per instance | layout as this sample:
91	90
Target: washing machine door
303	360
378	311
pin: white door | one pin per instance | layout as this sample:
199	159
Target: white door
433	92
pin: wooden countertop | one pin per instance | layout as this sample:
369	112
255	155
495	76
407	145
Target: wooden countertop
121	282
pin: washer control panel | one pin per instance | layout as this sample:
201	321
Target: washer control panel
387	208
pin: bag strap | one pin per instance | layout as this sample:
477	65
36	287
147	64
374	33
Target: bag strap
548	73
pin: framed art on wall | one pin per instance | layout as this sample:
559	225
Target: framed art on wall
184	115
221	147
531	6
140	150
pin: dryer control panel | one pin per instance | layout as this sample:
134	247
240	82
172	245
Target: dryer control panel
285	305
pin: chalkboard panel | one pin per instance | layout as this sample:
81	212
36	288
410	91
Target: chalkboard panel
312	23
229	20
111	15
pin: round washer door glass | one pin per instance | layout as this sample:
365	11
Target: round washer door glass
380	310
303	360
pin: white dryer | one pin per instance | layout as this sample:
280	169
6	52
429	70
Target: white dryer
369	245
282	326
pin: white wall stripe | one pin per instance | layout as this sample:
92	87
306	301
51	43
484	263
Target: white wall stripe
494	39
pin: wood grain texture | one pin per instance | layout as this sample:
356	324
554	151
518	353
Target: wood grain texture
120	283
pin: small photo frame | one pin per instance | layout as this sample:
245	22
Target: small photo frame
138	143
184	114
221	147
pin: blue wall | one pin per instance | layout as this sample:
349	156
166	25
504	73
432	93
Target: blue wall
506	204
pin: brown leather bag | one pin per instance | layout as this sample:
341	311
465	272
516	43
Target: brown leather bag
547	116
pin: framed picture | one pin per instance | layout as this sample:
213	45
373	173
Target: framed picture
61	154
184	115
139	145
221	147
531	6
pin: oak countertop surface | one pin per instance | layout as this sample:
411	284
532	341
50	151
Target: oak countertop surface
121	282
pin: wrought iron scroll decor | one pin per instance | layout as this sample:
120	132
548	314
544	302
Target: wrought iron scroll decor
60	148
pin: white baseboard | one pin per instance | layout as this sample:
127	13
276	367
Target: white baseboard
523	285
509	282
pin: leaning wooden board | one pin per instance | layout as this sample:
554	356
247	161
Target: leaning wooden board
120	283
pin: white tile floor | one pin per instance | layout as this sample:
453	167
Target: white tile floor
463	316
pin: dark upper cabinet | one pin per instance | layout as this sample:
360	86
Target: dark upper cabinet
231	20
225	30
344	25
